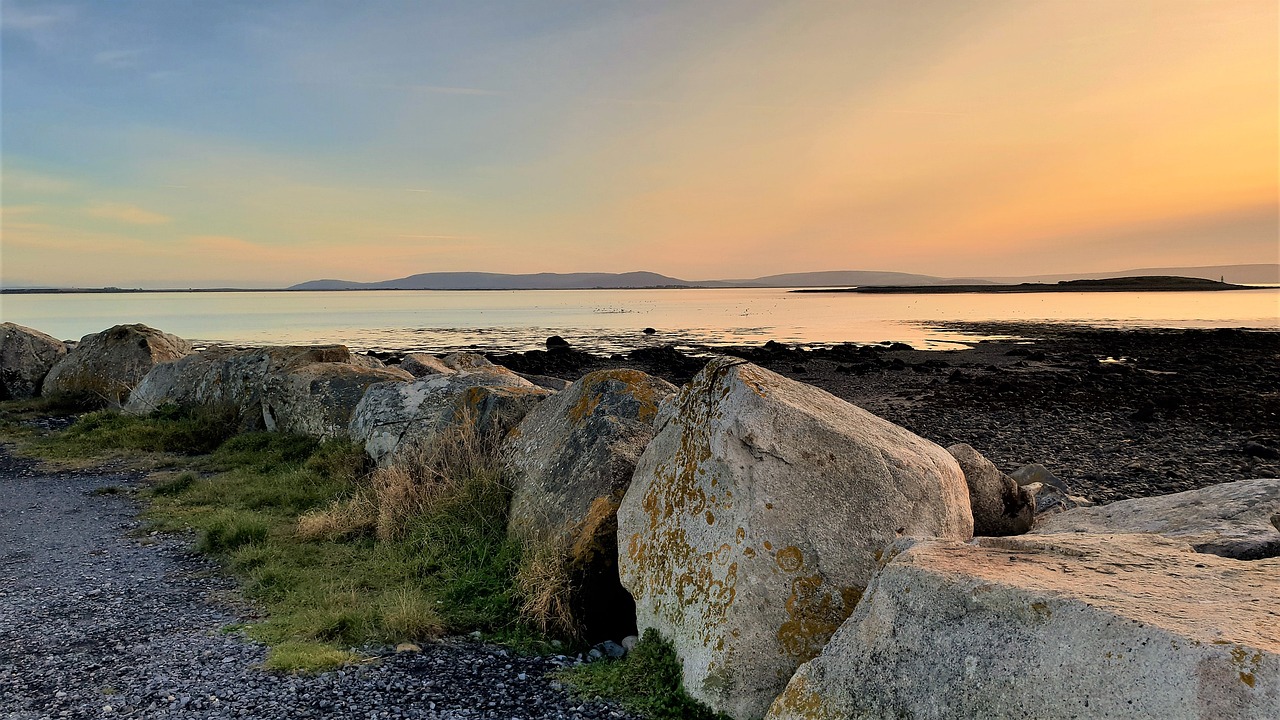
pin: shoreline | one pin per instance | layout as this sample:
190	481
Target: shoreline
1133	284
1115	413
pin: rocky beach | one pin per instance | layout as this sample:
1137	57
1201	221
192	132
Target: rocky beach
1115	413
1065	450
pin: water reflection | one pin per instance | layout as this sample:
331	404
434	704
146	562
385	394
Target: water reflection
613	320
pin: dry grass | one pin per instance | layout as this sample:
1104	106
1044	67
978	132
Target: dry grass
545	585
410	614
342	520
428	474
425	476
555	574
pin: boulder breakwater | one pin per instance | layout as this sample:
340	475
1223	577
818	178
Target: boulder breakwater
805	557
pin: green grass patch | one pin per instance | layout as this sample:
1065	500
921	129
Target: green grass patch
646	681
417	553
307	657
462	544
168	430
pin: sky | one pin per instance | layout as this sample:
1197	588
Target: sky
175	143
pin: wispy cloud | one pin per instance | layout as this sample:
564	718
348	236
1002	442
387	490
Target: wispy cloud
125	213
439	237
119	59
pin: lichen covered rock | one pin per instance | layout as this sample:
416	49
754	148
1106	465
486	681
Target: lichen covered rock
755	519
222	378
318	399
571	460
392	416
1052	627
105	367
26	356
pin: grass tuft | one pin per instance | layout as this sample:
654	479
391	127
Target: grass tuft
409	613
545	586
231	529
174	485
647	681
169	430
307	657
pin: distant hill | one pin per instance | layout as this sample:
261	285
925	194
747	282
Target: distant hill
1255	274
576	281
1261	273
502	281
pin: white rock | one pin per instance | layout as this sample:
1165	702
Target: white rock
570	461
754	521
999	506
1052	627
222	378
394	415
422	365
1238	519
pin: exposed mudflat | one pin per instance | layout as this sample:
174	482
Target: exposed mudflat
1116	413
98	623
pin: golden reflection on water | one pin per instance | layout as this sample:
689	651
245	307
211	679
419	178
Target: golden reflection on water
613	319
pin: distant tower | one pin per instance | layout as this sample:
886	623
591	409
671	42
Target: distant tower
1222	279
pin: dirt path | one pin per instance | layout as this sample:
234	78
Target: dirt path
95	623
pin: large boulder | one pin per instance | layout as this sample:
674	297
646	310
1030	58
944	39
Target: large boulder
571	460
394	416
318	399
1052	627
26	356
755	520
228	379
105	367
999	506
1238	519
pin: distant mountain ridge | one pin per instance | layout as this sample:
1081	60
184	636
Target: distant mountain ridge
1258	273
582	281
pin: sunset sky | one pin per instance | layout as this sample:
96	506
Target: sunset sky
159	143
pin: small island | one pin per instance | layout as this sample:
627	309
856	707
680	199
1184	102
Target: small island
1148	283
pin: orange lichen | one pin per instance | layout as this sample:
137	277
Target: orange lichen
815	614
1247	664
799	700
673	575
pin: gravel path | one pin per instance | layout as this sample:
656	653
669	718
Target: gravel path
97	624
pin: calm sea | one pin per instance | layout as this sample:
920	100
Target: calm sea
611	320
